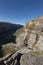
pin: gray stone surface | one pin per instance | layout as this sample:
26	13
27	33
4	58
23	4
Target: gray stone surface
27	59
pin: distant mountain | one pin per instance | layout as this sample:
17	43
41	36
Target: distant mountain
7	29
9	26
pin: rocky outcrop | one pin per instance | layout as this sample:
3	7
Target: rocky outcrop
32	36
28	49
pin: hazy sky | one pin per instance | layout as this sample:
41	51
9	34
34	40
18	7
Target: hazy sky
20	11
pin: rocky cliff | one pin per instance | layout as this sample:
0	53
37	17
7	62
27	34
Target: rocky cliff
29	45
31	35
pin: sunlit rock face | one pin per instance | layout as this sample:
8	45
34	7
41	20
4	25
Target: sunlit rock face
32	40
40	43
32	34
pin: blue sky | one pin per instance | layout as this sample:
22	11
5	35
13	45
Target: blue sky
20	11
